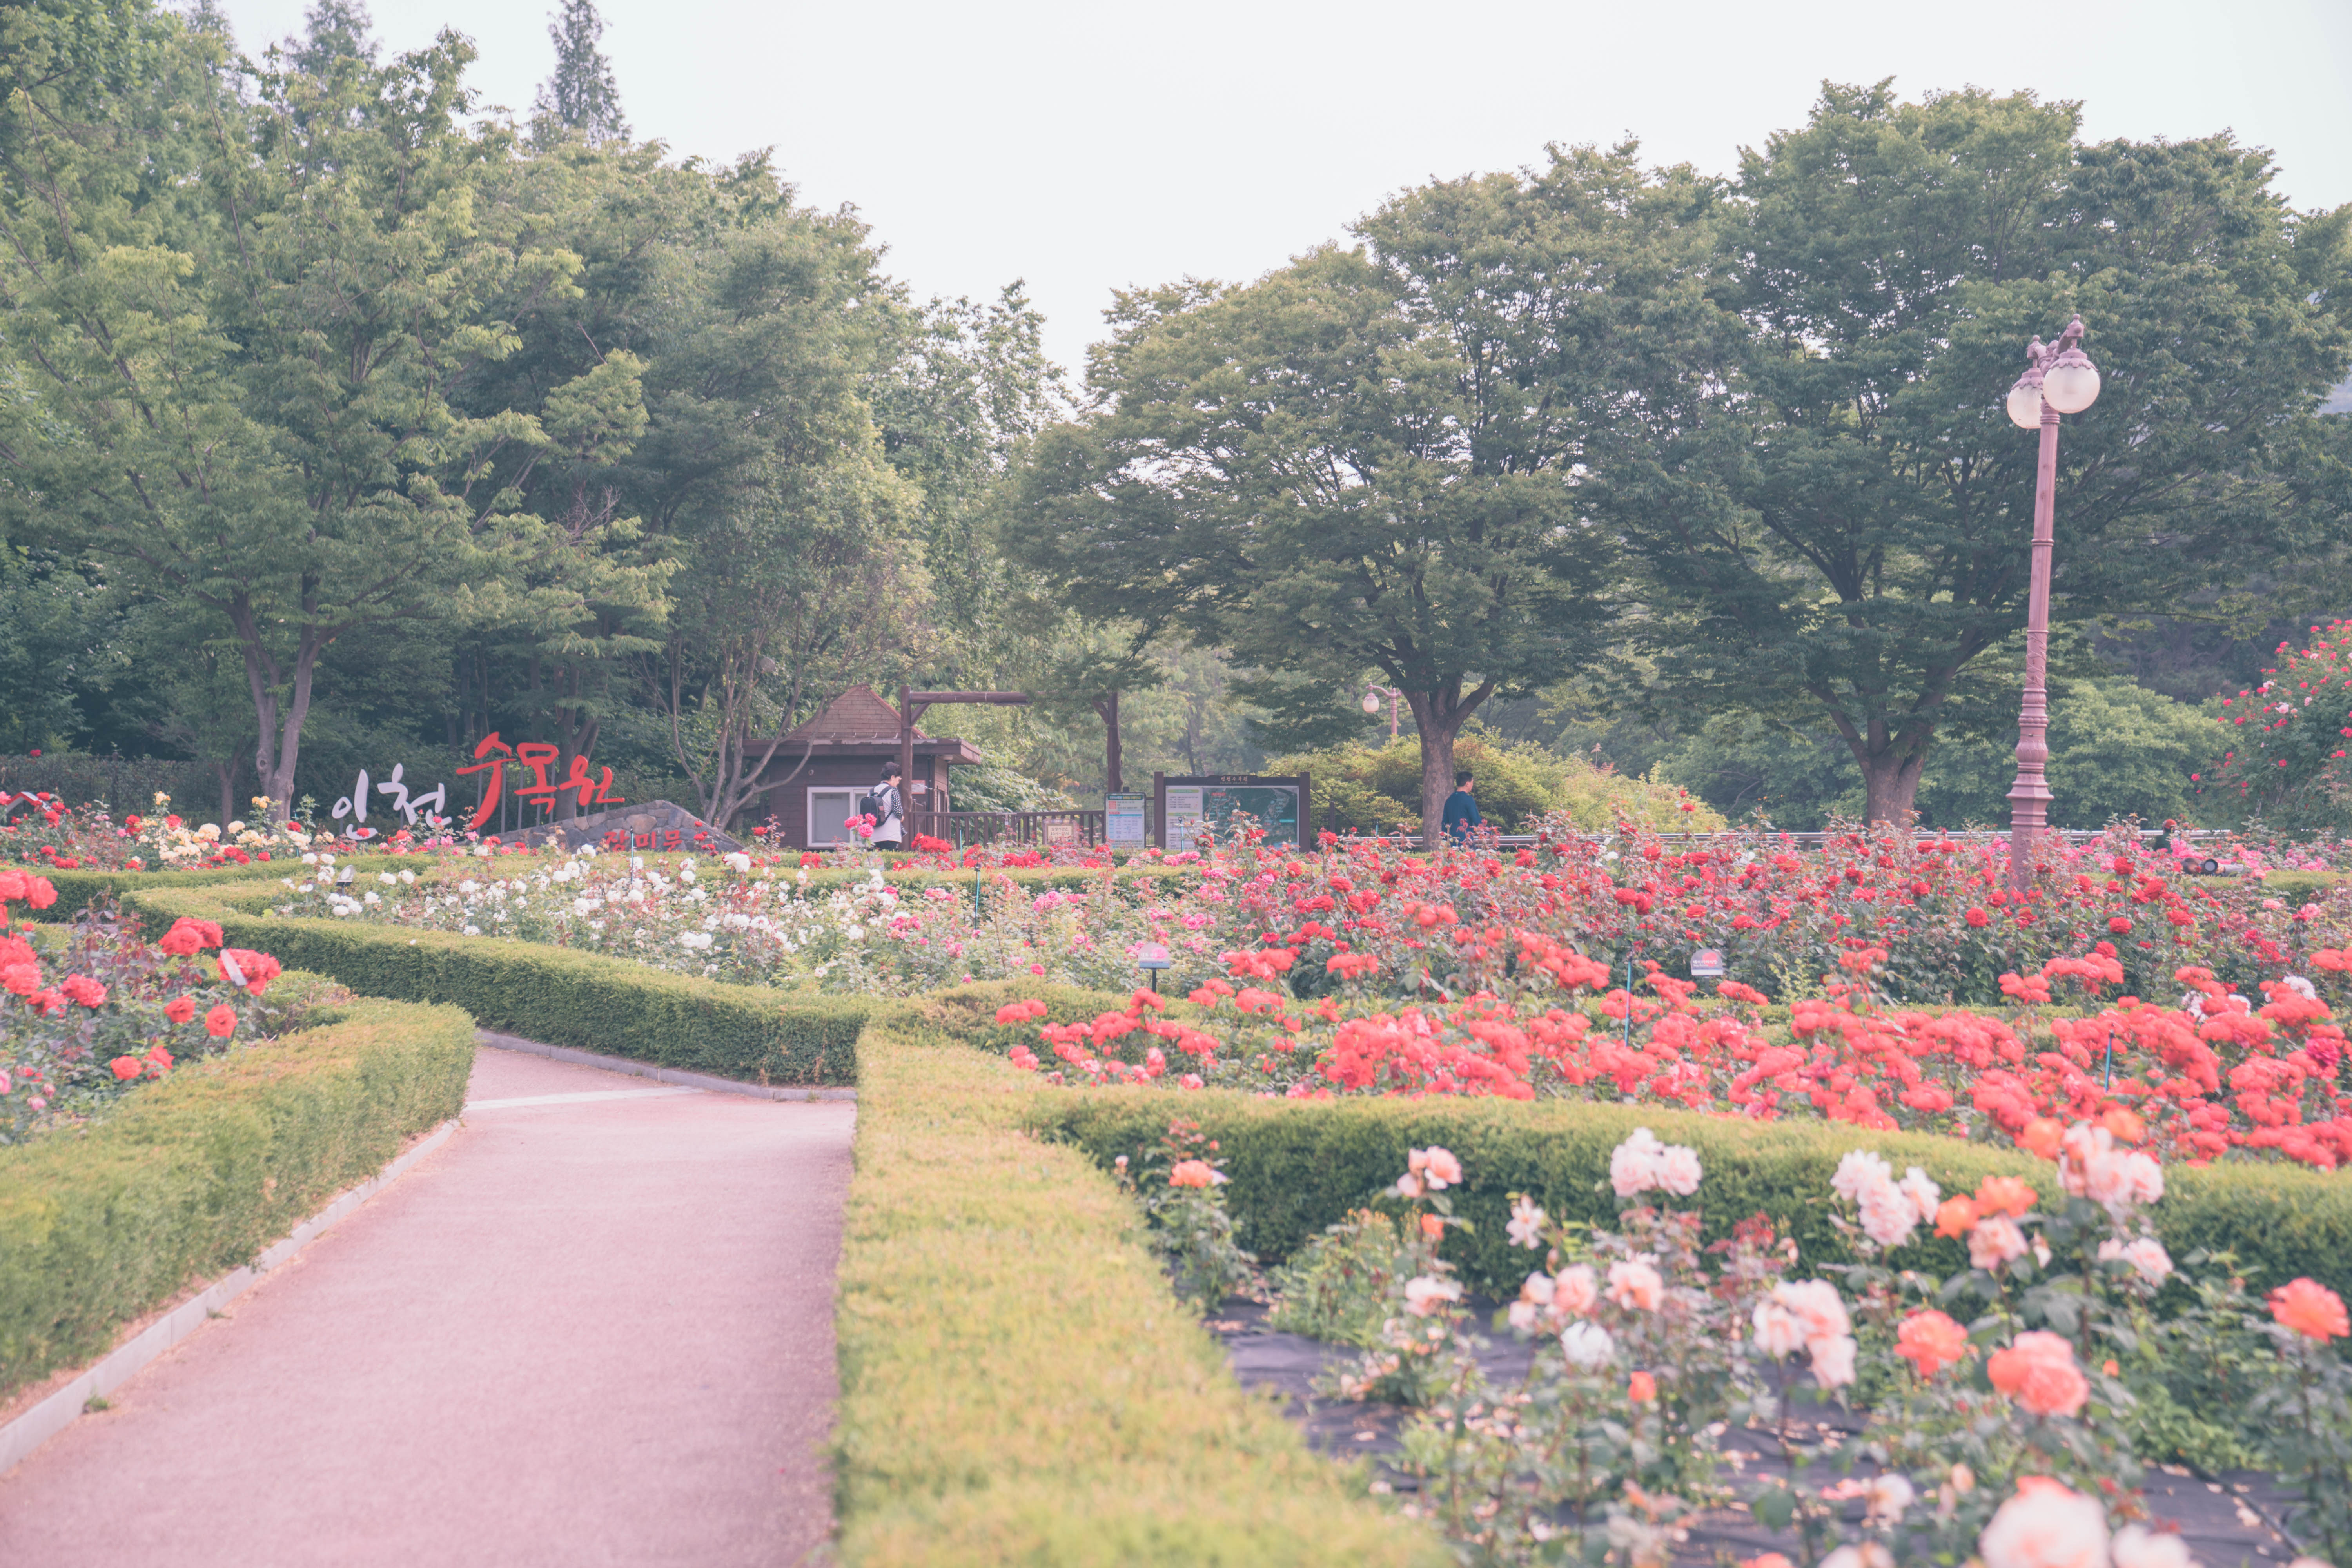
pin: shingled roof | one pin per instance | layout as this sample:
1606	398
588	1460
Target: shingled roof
858	717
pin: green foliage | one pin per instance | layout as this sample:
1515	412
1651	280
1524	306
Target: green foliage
1337	1285
1368	789
77	890
194	1176
1361	461
1298	1166
1805	557
550	994
2116	750
1017	1383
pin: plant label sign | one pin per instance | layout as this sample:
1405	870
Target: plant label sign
1123	821
1706	964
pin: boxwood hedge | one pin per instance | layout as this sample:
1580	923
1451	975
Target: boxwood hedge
1017	1382
1297	1165
552	994
191	1177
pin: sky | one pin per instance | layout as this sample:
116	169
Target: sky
1089	148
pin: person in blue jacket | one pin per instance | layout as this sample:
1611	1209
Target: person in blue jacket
1461	809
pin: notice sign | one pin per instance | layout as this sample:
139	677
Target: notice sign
1191	807
1706	964
1123	821
1180	818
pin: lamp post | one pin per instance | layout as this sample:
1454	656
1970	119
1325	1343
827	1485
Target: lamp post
2059	379
1372	695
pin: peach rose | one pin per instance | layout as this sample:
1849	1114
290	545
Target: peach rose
2039	1372
1994	1242
1931	1341
2045	1525
1576	1290
2311	1310
1635	1286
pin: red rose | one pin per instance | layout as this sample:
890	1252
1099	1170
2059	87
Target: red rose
221	1021
180	1009
1979	918
127	1068
2120	925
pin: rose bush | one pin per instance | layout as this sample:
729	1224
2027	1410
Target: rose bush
2012	1438
82	1026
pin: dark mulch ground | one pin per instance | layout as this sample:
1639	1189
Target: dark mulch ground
2229	1520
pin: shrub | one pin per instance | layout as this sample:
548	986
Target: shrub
552	994
1018	1384
1298	1166
195	1174
1370	789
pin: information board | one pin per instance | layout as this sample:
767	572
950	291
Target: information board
1191	806
1123	821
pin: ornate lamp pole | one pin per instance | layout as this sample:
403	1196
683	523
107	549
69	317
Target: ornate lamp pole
2058	379
1372	704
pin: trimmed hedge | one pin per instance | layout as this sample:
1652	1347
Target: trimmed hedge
1298	1165
1017	1382
78	890
196	1175
553	994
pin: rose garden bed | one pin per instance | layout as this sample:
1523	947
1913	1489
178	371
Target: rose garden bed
975	1425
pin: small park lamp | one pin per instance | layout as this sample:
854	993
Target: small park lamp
1372	695
2058	379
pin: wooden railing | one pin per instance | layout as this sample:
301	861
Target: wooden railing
963	827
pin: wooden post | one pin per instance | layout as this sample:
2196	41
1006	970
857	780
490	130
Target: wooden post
905	742
1160	810
1107	708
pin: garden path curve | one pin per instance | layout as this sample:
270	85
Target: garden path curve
595	1327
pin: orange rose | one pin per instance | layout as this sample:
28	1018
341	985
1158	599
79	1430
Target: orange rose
2042	1136
2311	1310
1931	1341
1956	1217
2039	1372
1642	1388
2124	1126
1192	1174
2005	1194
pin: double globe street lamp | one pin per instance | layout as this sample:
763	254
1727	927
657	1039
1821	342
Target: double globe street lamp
2059	379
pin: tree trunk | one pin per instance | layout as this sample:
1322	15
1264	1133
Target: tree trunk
1890	785
227	773
1440	715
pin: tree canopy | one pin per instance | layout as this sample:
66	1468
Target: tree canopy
1831	515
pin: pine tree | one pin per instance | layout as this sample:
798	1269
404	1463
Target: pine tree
582	96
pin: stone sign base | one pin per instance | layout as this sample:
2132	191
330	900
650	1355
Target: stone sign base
653	828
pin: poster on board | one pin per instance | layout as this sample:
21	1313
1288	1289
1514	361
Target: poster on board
1123	821
1190	807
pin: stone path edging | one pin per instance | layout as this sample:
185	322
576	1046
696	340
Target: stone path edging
52	1416
635	1069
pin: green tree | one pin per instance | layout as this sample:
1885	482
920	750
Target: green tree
235	337
1369	461
580	98
1835	519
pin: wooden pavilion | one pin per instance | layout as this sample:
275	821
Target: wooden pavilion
822	766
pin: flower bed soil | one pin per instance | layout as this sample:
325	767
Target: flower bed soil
2227	1519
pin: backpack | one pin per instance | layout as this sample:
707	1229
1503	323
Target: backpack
868	806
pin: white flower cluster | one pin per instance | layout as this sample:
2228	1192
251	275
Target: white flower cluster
1641	1164
1891	1210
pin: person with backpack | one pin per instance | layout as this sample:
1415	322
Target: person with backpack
888	808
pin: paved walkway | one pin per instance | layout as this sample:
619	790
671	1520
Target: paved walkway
595	1327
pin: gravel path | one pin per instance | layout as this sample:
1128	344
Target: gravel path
595	1327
